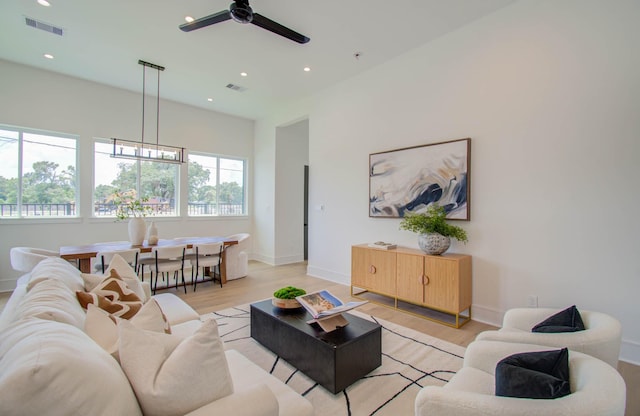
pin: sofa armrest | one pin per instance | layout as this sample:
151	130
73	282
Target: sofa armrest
441	401
256	400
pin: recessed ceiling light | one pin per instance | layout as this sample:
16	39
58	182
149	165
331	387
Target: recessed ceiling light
44	3
189	19
307	69
243	74
209	99
48	56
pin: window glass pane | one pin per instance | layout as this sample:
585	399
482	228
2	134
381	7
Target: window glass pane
202	185
216	185
8	173
231	188
153	180
38	174
110	176
158	184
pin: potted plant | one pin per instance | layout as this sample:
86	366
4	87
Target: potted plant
434	232
285	297
134	209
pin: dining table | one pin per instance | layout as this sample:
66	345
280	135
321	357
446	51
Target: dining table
82	254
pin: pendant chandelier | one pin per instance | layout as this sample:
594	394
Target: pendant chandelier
148	151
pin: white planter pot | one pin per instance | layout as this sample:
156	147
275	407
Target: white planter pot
137	230
433	243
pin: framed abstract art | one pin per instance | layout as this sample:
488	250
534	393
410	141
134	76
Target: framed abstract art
411	179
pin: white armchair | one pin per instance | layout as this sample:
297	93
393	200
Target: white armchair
596	388
601	338
24	259
236	257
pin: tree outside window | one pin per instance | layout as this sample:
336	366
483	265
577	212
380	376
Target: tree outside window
154	181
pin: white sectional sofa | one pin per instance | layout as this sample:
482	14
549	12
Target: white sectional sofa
50	365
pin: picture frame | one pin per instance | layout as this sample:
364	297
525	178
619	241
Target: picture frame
412	178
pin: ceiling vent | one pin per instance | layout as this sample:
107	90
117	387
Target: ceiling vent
43	26
235	87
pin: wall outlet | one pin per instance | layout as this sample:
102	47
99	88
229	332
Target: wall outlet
532	301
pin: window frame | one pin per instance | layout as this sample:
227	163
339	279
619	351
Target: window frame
138	169
244	161
20	174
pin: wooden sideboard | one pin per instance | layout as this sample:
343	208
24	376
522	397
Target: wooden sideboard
432	287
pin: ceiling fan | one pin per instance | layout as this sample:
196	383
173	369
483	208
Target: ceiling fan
241	12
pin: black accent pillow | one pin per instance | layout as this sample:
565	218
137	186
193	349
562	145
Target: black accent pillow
534	375
568	320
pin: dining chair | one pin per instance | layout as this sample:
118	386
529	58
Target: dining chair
166	260
24	259
236	256
104	258
206	256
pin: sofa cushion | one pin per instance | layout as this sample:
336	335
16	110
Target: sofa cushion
50	368
114	296
51	300
171	375
54	268
102	327
124	270
568	320
246	374
534	375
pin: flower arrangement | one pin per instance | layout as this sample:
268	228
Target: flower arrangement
128	206
433	221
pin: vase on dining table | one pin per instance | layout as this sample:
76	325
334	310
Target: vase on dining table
137	230
152	234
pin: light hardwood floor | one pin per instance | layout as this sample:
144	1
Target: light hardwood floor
263	280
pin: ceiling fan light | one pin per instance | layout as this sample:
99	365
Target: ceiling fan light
189	19
241	14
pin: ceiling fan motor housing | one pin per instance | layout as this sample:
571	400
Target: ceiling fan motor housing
241	11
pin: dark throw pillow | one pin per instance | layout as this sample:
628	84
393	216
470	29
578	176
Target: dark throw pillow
534	375
568	320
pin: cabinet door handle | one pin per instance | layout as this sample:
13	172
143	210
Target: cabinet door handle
372	269
426	280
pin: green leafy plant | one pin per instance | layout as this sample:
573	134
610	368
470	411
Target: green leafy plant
288	292
432	221
129	206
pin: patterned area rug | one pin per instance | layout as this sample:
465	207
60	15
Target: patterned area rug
410	361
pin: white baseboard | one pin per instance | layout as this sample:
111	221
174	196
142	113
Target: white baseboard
486	315
328	275
630	352
279	261
7	285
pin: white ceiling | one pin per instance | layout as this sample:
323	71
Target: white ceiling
103	42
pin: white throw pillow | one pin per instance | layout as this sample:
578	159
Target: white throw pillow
125	271
102	327
54	268
171	375
51	300
53	369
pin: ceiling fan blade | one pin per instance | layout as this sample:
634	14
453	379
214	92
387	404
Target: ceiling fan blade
206	21
277	28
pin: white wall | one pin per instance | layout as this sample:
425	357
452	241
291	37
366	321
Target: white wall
292	154
549	92
45	100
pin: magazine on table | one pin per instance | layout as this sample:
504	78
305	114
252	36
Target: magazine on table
323	304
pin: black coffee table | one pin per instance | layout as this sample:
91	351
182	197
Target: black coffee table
335	359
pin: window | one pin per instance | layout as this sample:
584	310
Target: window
216	185
37	174
152	180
